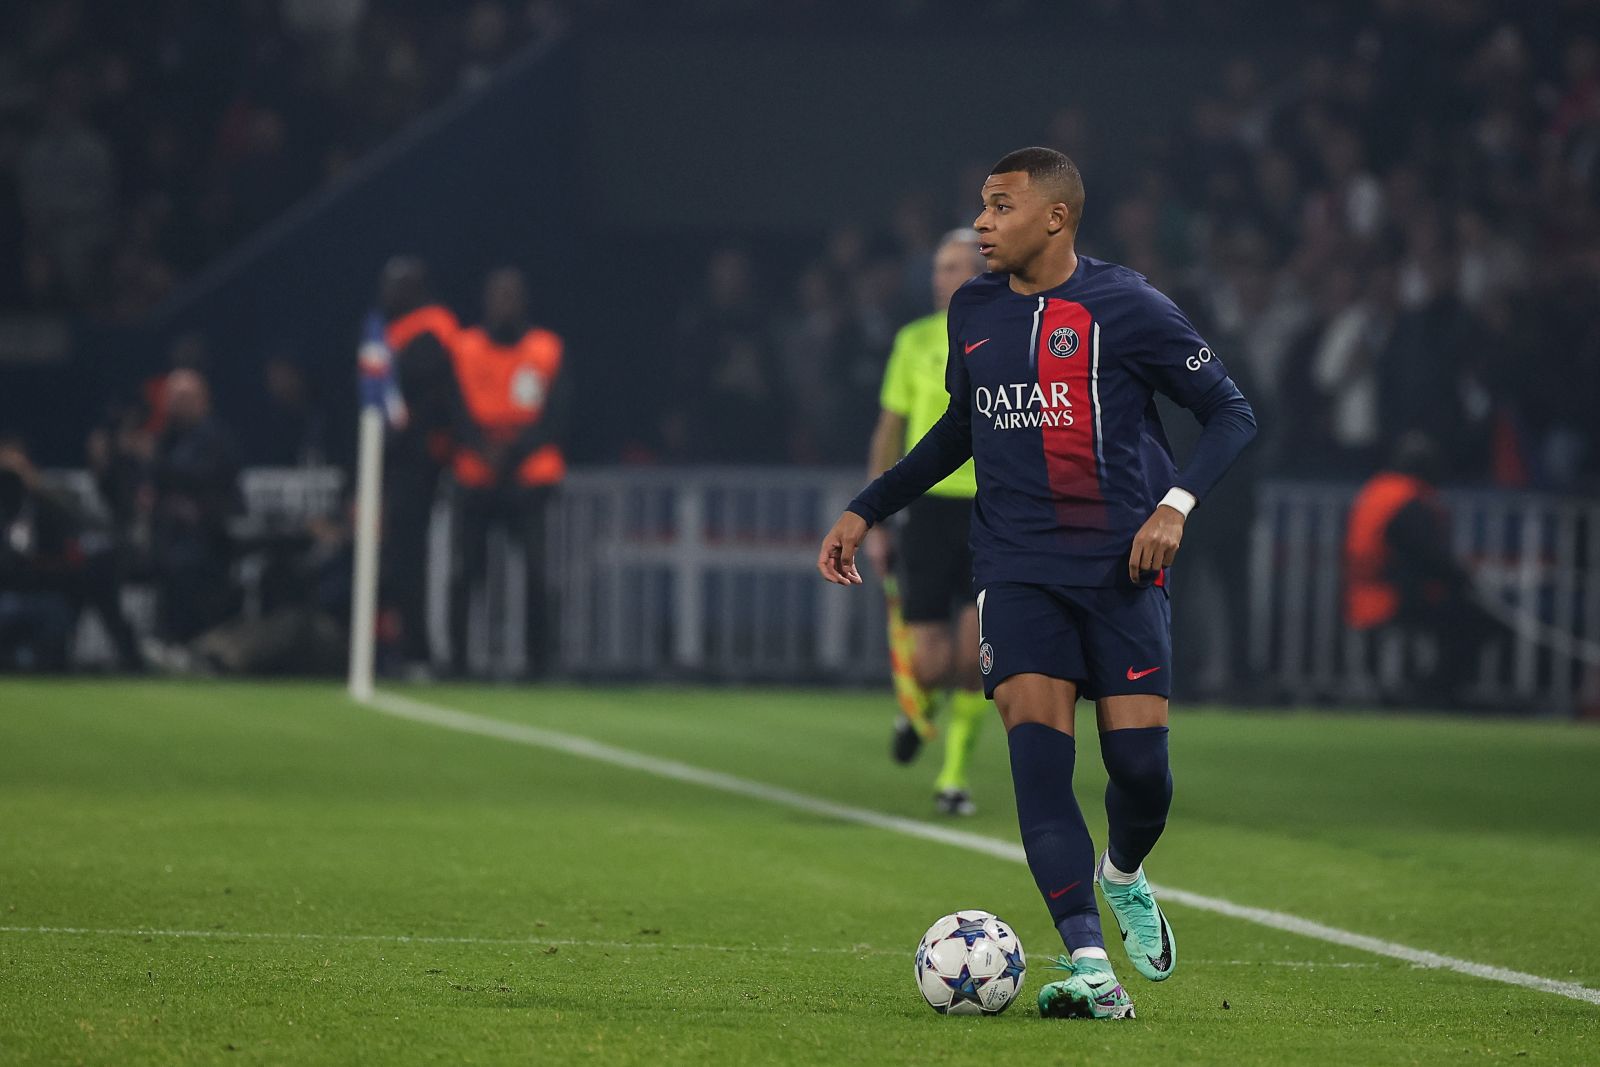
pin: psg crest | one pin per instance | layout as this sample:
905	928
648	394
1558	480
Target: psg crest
1063	342
986	657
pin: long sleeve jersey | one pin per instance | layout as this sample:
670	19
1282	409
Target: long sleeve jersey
1053	397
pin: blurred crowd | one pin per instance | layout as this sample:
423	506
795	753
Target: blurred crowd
138	142
1385	221
162	510
1396	228
1383	214
476	420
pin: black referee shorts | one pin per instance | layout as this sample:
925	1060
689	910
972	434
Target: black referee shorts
935	559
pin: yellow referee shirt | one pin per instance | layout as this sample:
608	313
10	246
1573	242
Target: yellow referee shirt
913	387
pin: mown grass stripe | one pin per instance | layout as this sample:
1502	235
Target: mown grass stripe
419	711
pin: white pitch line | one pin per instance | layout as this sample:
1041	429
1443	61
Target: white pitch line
573	745
558	942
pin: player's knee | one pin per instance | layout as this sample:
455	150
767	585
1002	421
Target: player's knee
1136	759
1014	714
1032	698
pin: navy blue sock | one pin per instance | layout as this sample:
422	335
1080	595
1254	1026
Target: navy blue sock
1138	794
1060	854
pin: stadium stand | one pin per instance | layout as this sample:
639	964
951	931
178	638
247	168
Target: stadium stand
1366	269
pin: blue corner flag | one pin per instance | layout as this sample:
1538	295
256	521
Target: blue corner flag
379	389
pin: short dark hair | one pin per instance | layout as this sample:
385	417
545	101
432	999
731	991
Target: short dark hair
1051	170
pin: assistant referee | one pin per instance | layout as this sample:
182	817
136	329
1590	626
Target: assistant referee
934	563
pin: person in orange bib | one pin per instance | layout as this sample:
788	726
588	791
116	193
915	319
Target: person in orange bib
1401	576
420	333
508	459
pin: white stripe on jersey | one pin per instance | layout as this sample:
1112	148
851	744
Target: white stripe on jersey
1094	402
1033	338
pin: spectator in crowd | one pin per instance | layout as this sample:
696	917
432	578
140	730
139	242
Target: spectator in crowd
303	626
55	561
289	428
195	478
67	185
730	402
508	458
119	453
486	40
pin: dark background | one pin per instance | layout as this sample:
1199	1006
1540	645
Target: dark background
611	149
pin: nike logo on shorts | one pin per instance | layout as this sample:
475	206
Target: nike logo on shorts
1134	676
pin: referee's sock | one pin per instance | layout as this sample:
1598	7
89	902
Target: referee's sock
1060	853
967	709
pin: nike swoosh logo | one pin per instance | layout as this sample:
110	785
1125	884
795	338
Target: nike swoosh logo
1057	894
978	344
1163	961
1134	676
1097	985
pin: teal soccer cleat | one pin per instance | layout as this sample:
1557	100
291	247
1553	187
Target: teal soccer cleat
1146	934
1090	992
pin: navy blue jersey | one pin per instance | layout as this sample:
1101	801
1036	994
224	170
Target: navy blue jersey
1053	395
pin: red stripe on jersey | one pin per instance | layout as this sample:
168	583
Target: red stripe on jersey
1069	443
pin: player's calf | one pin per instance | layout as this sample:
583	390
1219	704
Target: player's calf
1138	796
1060	853
1138	791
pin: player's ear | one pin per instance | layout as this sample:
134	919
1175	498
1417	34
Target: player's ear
1060	218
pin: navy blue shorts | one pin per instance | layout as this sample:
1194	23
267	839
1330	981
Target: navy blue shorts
1111	641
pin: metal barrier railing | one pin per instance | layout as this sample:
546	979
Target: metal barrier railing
709	572
273	497
1538	554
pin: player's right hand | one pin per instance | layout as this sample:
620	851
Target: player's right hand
837	560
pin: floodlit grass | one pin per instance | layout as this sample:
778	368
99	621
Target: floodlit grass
265	874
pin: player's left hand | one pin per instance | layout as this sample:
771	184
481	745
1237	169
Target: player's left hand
1156	544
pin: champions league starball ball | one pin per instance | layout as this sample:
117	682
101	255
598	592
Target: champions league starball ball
970	963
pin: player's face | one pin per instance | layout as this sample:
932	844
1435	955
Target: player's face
1016	222
953	265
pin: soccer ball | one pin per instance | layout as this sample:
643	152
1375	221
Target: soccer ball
970	963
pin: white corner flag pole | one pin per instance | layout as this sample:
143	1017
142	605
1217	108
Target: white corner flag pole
381	407
364	596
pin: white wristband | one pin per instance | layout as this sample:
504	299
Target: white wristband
1180	500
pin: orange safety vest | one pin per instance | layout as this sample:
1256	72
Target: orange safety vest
442	323
505	388
430	318
1371	597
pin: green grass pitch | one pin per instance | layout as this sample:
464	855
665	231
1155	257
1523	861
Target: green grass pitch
268	874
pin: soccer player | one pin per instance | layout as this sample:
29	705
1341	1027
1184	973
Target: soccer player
935	564
1054	360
